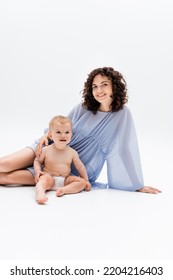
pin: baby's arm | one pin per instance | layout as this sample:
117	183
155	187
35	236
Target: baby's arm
80	166
38	166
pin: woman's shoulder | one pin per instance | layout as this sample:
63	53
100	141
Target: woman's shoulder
122	113
78	107
125	110
77	111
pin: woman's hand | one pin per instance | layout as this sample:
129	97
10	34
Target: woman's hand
44	140
147	189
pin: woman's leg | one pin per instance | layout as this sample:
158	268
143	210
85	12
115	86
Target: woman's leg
12	168
18	160
17	177
72	184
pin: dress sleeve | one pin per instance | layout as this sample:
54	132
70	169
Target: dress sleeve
76	112
124	170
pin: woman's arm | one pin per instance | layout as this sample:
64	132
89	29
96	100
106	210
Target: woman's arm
43	141
123	163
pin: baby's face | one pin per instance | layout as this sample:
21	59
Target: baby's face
61	133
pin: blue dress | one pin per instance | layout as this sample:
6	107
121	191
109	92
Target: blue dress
106	137
110	137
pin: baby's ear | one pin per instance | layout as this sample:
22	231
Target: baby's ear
50	135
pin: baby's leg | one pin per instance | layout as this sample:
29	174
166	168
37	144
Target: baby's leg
72	184
44	184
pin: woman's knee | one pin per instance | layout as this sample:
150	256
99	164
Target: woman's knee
6	178
18	160
4	164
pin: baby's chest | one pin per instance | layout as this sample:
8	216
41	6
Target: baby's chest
58	158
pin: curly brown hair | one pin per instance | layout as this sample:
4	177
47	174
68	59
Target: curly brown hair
119	90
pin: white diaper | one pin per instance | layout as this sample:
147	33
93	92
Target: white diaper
59	182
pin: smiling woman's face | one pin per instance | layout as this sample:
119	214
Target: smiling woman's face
102	91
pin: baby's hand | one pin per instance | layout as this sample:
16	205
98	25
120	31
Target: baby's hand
88	186
37	175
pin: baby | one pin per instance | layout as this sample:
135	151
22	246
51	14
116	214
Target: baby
53	166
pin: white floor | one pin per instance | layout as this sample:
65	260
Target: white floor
100	224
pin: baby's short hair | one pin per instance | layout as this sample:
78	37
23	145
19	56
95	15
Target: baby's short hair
59	118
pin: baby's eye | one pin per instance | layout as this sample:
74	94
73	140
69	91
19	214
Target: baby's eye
67	132
58	132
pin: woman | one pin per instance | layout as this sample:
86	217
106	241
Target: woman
103	130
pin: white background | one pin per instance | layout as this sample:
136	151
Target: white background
47	49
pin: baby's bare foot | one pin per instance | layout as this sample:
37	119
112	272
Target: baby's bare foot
40	195
60	191
42	201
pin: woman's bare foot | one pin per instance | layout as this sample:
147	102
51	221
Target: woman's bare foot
60	191
40	195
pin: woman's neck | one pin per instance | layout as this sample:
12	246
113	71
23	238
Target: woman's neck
104	108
